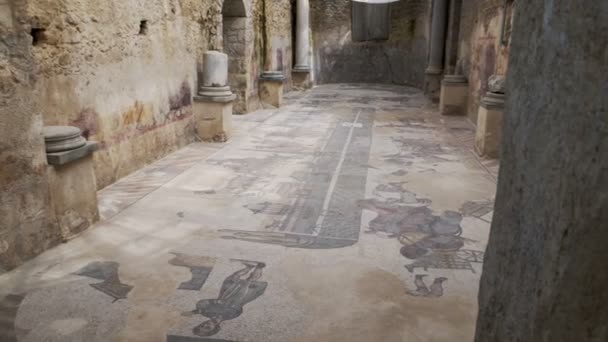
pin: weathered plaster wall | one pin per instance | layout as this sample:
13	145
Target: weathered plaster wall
262	41
400	60
124	72
481	53
279	23
544	276
27	222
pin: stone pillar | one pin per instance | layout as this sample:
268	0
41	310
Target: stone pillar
302	37
453	36
271	88
489	119
73	187
301	70
545	269
213	104
454	95
437	48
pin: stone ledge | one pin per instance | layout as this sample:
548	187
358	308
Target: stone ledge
65	157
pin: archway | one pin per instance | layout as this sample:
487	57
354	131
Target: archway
238	45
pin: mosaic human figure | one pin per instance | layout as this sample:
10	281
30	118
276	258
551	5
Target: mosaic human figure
239	289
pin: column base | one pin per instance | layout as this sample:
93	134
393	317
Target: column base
454	95
73	189
213	117
215	94
432	83
301	69
489	125
301	79
271	88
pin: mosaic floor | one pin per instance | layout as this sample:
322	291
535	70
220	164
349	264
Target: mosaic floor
353	213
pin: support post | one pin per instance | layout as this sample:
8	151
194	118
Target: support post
301	70
213	104
271	88
72	182
489	119
434	70
454	95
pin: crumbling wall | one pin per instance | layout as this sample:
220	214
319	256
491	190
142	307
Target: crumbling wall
481	53
545	275
27	222
401	59
122	71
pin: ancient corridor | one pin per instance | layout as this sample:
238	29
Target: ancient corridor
352	213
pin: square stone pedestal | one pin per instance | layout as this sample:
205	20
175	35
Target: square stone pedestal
213	118
432	84
489	126
271	88
271	92
301	80
454	95
73	189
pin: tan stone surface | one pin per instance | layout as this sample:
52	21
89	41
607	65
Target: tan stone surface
73	194
213	120
489	131
27	222
453	99
271	92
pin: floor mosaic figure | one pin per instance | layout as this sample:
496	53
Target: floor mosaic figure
108	272
237	290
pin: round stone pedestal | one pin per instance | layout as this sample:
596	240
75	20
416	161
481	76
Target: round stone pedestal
272	76
62	138
494	100
454	79
215	94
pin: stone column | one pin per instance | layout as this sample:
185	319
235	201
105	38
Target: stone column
213	104
72	182
489	119
302	37
437	48
301	70
545	269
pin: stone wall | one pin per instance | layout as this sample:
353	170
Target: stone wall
125	71
279	23
400	60
122	71
545	274
480	51
264	41
27	222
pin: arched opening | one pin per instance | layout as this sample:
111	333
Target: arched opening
236	37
